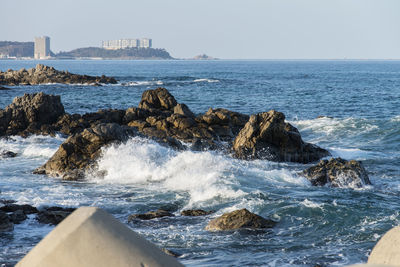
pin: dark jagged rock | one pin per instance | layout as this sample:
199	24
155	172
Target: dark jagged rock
80	151
30	113
42	74
267	136
53	215
196	212
7	154
151	215
239	219
337	172
10	207
159	98
5	223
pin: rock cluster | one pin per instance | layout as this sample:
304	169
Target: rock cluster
42	74
337	172
151	215
160	117
239	219
11	213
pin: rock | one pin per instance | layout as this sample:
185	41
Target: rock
151	215
267	136
18	216
159	98
43	74
10	207
337	172
5	224
4	88
53	215
7	154
80	151
171	253
239	219
30	113
182	109
196	212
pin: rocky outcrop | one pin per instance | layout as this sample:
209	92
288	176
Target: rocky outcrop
267	136
30	113
196	212
80	151
239	219
42	74
337	172
11	207
151	215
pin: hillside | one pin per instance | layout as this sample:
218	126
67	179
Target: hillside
17	49
127	53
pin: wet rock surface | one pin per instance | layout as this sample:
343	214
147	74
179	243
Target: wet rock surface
150	215
6	224
80	151
7	154
30	113
196	212
53	215
239	219
337	172
42	74
267	136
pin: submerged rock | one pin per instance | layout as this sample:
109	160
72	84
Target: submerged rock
337	172
267	136
42	74
30	113
5	223
18	216
239	219
7	154
151	215
80	151
11	207
196	212
4	88
171	253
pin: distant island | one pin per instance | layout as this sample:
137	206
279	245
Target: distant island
204	57
26	50
126	53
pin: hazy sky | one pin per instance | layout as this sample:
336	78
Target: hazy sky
247	29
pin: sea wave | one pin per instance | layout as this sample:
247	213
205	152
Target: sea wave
206	80
142	83
204	175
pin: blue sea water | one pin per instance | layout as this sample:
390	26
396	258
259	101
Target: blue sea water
360	102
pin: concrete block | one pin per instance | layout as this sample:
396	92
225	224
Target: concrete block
91	237
387	250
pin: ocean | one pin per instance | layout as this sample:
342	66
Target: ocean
351	108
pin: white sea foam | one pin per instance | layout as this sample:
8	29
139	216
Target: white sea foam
204	175
32	146
142	83
311	204
396	118
206	80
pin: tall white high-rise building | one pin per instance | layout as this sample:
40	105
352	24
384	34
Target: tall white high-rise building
42	47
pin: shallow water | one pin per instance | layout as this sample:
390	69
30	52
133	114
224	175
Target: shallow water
316	225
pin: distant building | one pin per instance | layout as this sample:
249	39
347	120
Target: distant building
42	47
145	42
126	43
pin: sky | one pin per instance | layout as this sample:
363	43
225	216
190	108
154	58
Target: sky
227	29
